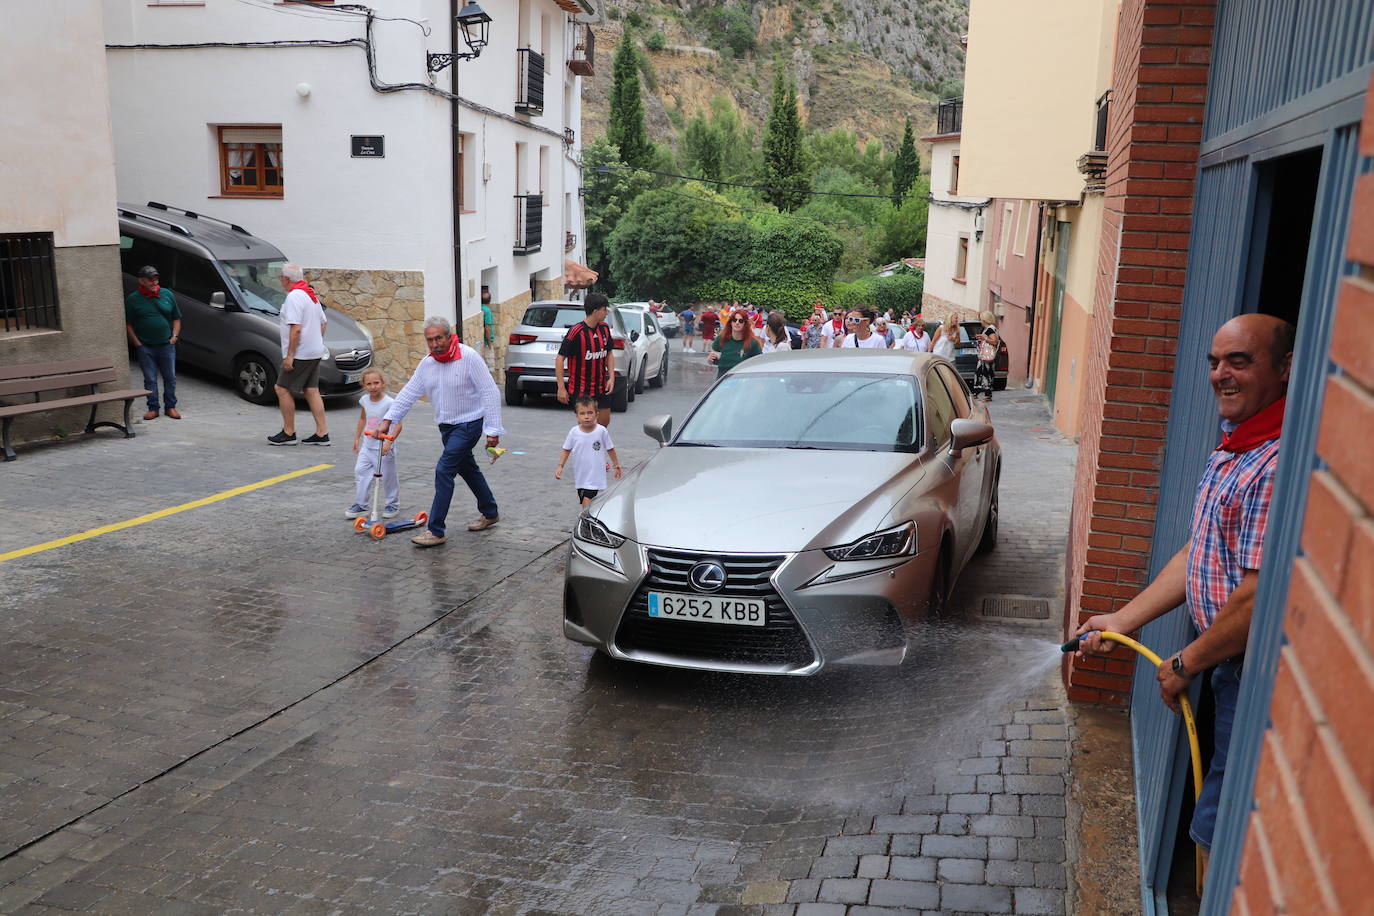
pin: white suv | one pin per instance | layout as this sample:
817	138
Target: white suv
534	343
648	345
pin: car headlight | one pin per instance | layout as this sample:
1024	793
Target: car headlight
894	542
590	530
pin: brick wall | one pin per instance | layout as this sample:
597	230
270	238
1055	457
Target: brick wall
1159	85
1310	843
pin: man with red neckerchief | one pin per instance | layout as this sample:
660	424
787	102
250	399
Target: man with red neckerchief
302	349
1217	571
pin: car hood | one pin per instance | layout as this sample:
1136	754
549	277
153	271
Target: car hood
757	500
342	331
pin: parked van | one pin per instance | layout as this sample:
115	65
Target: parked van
227	287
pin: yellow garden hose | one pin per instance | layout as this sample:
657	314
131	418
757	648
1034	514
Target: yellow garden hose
1188	720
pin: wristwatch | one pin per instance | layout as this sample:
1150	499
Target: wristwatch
1176	663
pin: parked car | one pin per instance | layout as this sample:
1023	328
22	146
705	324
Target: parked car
671	567
533	346
649	343
966	353
227	287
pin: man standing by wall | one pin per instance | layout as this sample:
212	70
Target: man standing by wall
302	349
153	323
488	331
467	404
1217	570
588	359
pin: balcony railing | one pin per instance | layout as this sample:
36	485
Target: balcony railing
1104	107
584	52
529	223
950	116
529	87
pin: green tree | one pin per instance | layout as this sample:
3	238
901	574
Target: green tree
625	127
610	190
656	249
717	144
901	231
906	167
784	168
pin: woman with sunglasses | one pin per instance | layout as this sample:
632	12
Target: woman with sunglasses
858	324
735	344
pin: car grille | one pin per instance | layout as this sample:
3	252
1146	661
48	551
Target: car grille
356	359
780	642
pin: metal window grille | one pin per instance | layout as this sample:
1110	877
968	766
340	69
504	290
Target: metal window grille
529	223
1104	105
529	90
950	116
28	282
583	57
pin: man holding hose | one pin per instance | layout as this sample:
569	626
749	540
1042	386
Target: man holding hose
1216	572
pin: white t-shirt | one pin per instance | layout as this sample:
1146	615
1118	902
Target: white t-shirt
875	341
769	346
589	456
376	411
918	344
943	347
828	332
300	309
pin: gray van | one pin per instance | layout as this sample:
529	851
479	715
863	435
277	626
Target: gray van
227	287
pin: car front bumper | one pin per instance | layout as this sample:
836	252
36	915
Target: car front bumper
820	612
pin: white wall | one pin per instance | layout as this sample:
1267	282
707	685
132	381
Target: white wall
943	228
339	212
57	169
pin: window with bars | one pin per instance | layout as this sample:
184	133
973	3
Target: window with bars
250	161
28	282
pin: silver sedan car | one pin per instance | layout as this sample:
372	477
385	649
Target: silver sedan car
881	483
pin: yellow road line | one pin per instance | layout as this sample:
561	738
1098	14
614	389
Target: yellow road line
161	513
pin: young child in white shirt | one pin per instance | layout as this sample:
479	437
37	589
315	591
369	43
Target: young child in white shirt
588	444
373	452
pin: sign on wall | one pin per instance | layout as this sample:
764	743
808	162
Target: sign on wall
369	147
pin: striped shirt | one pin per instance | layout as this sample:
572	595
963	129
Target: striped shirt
585	350
461	391
1229	520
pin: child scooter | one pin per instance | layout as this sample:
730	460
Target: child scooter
376	525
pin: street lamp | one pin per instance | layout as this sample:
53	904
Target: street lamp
476	26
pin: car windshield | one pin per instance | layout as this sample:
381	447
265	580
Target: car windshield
259	284
813	410
553	316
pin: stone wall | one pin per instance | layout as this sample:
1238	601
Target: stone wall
391	303
506	315
934	308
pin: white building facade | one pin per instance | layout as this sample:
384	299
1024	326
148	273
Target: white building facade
954	273
321	129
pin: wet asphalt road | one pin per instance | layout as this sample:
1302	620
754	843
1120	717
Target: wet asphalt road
248	707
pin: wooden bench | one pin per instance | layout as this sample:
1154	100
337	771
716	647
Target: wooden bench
38	379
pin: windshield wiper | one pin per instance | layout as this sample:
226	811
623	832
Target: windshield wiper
697	444
814	448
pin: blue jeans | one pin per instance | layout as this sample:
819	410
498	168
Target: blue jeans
1225	691
155	361
457	461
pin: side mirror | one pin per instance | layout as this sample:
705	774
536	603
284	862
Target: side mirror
217	300
967	434
634	335
660	429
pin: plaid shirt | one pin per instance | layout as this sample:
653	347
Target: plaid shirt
1229	518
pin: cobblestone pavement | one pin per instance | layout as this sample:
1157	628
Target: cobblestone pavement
247	707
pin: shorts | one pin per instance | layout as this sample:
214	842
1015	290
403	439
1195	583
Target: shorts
304	374
586	494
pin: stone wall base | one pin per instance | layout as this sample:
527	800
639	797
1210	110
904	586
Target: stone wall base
934	308
391	303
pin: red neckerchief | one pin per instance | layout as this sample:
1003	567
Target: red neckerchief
454	351
1265	426
301	284
155	293
837	324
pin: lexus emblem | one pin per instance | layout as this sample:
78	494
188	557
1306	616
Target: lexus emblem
707	576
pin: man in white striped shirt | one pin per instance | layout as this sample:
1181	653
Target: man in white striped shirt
467	404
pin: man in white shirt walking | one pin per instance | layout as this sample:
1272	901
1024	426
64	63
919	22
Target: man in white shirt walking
467	404
302	349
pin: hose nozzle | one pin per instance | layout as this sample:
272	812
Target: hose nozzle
1071	645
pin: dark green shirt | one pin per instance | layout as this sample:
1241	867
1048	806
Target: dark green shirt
151	319
730	355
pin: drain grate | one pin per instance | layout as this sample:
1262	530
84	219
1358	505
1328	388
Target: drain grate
1017	607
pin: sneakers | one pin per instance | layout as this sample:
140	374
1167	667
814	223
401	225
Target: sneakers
282	438
483	523
356	511
391	511
427	540
316	439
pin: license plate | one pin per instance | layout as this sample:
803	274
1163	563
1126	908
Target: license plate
351	377
748	612
553	347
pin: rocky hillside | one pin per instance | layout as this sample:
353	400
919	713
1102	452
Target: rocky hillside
866	65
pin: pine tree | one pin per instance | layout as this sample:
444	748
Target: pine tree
625	128
906	168
784	167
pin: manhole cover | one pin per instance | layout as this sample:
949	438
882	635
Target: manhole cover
1016	607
